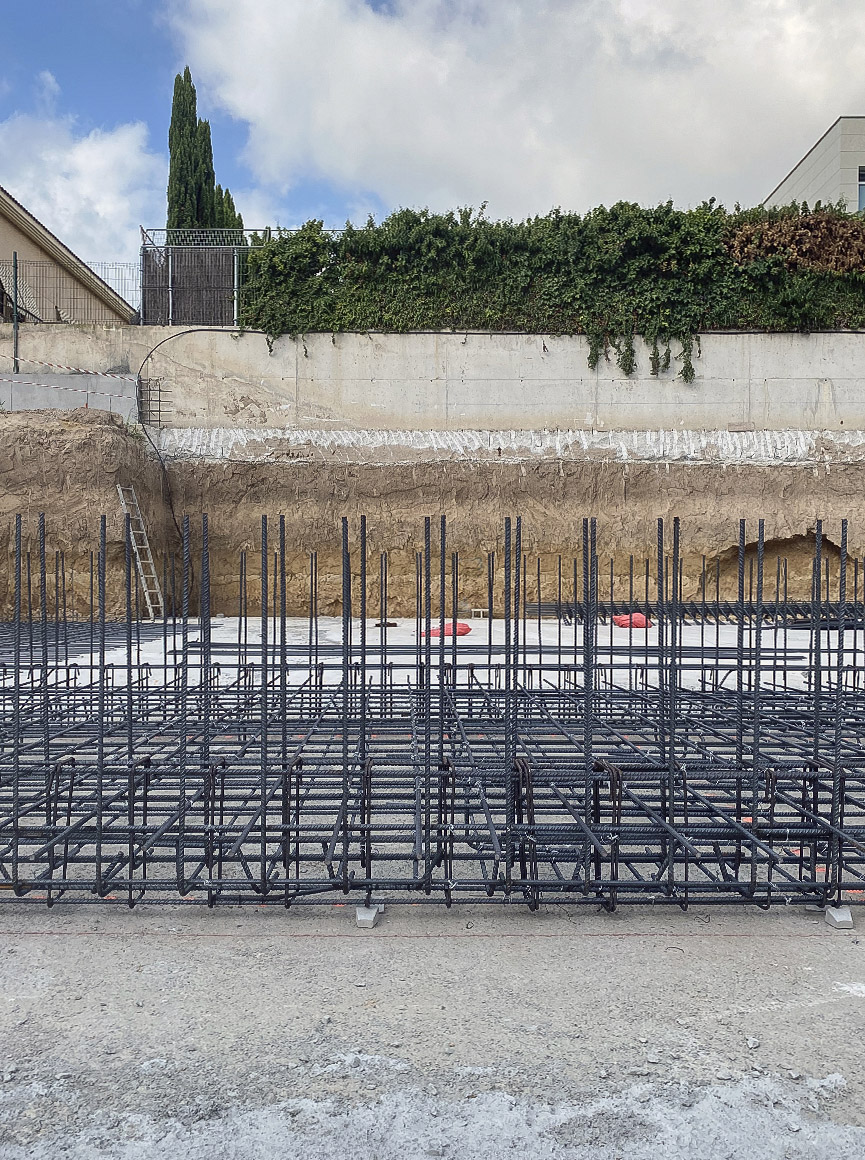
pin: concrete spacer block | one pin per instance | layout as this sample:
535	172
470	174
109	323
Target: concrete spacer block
367	916
839	917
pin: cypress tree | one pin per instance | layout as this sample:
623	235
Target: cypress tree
233	220
182	146
226	215
205	178
195	201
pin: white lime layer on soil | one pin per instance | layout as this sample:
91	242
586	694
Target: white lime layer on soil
786	447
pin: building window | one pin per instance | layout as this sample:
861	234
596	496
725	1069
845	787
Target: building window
861	187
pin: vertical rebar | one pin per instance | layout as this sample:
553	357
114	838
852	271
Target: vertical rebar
130	724
206	651
362	739
510	660
441	643
672	700
182	756
285	804
265	709
756	708
838	771
43	634
16	711
346	676
427	704
589	613
100	724
662	638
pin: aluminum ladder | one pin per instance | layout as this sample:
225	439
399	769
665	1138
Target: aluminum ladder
143	556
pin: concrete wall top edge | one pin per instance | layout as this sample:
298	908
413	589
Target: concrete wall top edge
57	328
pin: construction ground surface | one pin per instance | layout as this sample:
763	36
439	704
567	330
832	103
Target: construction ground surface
470	1032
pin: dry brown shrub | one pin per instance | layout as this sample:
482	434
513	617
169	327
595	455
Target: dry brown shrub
827	243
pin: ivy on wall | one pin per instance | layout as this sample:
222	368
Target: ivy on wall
612	274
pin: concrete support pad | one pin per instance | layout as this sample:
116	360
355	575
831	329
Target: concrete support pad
839	917
367	916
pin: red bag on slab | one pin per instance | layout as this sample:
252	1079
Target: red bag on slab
462	629
632	620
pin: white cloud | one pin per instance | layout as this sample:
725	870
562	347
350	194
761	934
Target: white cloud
47	92
92	190
529	103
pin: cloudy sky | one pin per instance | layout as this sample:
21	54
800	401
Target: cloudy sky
339	108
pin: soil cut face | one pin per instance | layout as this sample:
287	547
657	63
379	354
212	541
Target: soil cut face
68	464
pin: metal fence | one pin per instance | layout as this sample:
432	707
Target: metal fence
186	238
124	277
49	293
195	276
595	738
192	285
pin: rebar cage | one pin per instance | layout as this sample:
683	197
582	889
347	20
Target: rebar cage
607	741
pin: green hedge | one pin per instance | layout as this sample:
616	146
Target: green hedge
611	274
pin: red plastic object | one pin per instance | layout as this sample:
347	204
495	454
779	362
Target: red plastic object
632	620
462	629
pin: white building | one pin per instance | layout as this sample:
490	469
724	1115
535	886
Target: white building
834	168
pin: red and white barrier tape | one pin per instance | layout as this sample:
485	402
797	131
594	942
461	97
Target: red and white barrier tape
78	390
75	370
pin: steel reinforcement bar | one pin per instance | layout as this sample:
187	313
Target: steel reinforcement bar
705	750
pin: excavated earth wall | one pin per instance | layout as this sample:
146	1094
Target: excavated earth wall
68	464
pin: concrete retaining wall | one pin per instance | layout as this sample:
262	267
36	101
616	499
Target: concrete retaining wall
60	392
450	382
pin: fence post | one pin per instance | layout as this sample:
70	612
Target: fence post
236	285
141	269
170	290
15	370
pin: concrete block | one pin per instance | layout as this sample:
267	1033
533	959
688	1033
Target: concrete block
839	917
367	916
